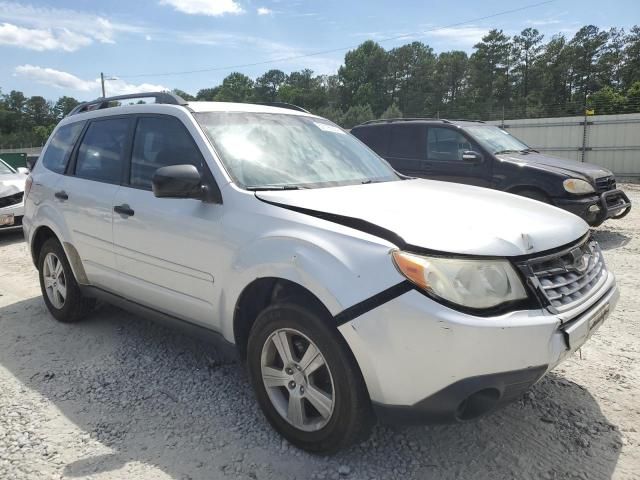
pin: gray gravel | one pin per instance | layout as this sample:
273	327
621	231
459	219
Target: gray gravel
119	397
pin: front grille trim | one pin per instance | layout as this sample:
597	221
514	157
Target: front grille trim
12	199
562	287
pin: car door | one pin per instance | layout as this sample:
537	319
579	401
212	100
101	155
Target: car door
406	149
444	157
165	247
86	194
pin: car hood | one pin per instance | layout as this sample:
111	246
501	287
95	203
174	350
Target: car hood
11	183
571	168
441	216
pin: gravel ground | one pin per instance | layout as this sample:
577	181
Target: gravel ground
119	397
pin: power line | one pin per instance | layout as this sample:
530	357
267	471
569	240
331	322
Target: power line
334	50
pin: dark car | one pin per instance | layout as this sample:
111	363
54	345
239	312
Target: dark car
479	154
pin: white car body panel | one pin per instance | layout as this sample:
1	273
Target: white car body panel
10	184
445	216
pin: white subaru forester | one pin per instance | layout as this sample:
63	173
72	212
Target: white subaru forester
352	292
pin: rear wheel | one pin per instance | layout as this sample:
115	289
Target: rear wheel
59	287
306	380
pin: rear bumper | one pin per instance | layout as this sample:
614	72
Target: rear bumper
425	363
595	209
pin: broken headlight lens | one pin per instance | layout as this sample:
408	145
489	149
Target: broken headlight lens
476	284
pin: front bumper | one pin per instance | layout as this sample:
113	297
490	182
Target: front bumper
595	209
17	211
423	362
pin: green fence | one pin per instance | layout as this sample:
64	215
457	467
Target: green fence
15	159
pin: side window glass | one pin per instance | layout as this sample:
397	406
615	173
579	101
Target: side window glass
405	141
446	144
376	138
101	152
59	150
160	142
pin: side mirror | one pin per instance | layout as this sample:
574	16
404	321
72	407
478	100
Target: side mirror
471	156
23	170
178	181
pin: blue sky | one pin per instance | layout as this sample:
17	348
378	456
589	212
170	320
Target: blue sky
55	48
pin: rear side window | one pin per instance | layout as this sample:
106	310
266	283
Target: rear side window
101	152
375	137
58	152
159	142
405	141
446	144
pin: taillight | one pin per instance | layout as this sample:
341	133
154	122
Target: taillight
27	186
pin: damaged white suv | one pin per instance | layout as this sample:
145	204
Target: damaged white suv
352	292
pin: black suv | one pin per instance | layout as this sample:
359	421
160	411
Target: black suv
479	154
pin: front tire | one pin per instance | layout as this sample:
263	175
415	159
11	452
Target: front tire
306	379
59	287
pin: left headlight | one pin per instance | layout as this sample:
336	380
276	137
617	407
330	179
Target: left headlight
577	186
477	284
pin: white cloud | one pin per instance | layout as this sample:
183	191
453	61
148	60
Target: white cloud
61	28
213	8
264	11
68	81
38	39
462	36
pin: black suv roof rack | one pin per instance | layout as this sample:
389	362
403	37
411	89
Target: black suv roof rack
413	119
166	98
290	106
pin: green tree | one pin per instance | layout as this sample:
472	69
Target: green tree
37	111
207	94
181	93
489	73
236	87
357	115
267	85
63	106
526	52
392	112
586	47
411	72
363	77
630	70
450	81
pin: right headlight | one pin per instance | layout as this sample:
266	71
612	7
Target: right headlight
577	186
476	284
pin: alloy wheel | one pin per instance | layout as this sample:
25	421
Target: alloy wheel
55	282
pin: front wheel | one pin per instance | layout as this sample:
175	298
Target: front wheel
306	380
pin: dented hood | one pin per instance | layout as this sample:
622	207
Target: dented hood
447	217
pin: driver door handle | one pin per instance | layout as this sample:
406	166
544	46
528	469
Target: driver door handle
124	209
61	195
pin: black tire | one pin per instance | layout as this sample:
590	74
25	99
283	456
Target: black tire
535	195
76	306
352	416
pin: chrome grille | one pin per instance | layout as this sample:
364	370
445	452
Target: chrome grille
604	184
569	277
11	199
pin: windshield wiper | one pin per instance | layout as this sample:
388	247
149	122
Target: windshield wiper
259	188
529	150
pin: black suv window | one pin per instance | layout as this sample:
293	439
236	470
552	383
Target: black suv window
159	142
101	152
60	146
374	137
446	144
405	141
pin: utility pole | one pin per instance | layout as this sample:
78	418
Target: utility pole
102	83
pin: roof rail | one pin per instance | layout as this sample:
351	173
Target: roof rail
290	106
103	102
409	119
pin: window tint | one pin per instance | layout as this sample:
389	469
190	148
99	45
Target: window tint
446	144
60	146
159	142
376	138
101	151
405	141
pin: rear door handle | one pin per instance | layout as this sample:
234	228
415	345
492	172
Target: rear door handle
61	195
124	209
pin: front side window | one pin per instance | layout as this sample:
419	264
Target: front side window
446	144
495	139
262	150
58	152
405	141
101	152
160	142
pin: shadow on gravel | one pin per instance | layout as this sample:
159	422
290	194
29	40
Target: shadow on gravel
608	239
11	236
154	396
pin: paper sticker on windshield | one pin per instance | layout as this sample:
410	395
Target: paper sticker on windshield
325	127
